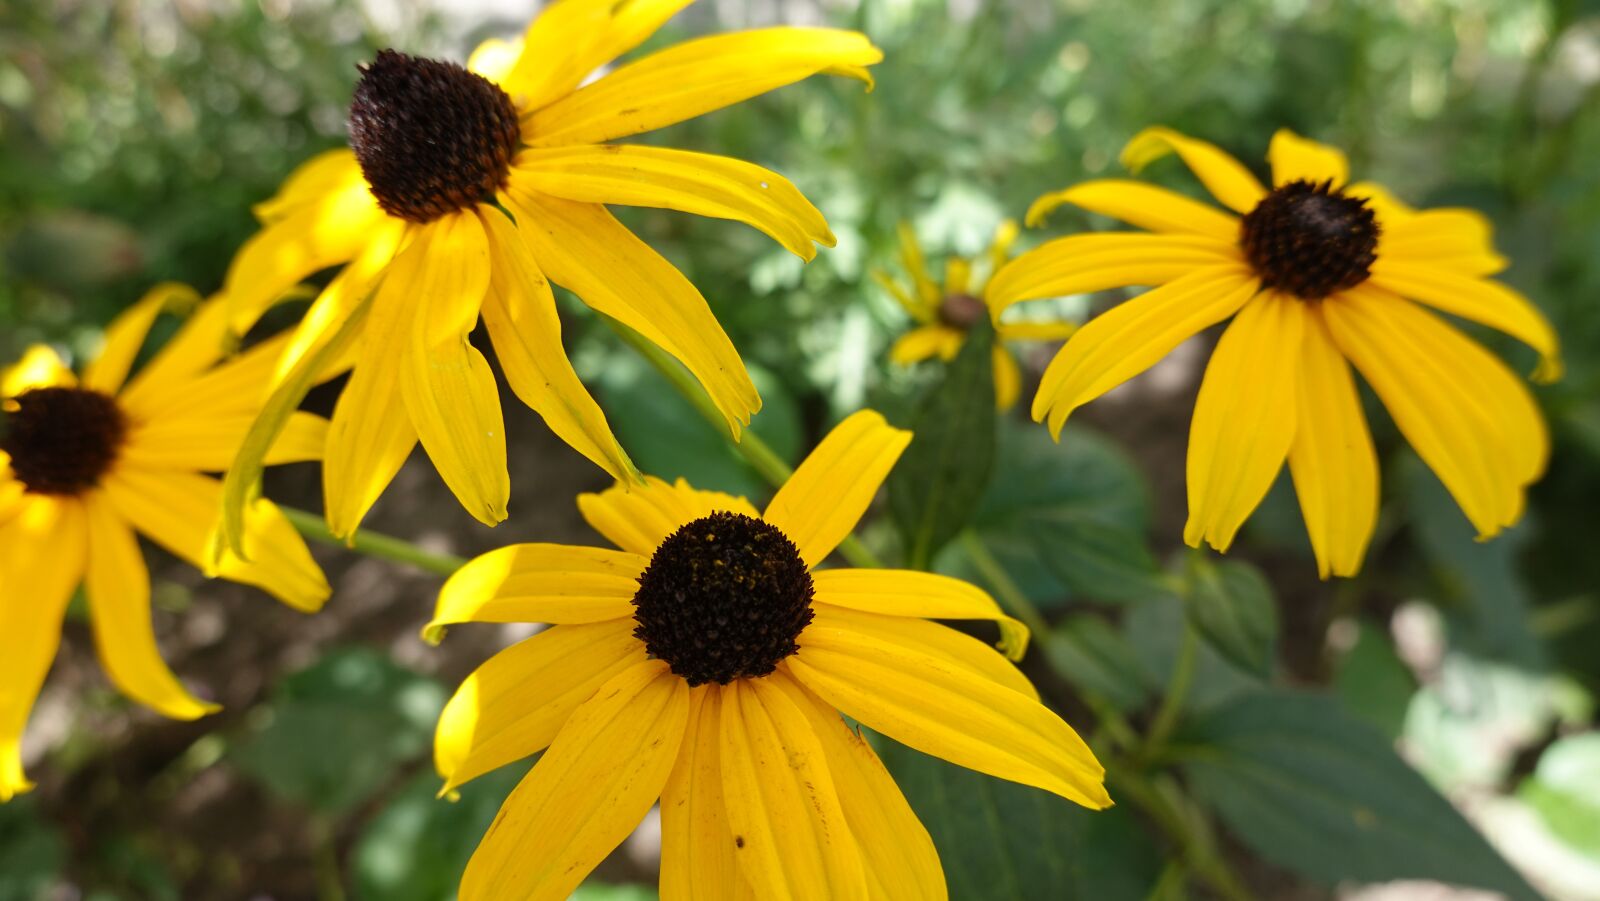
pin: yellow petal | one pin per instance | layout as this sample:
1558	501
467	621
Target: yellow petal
494	59
696	77
790	836
1469	418
1130	337
917	309
1227	180
898	853
942	707
568	40
40	367
513	705
209	445
1455	240
539	583
1389	208
924	342
1244	419
520	314
1480	300
1146	206
125	336
309	183
1036	331
585	249
1332	459
957	276
698	854
598	780
178	510
835	625
699	183
1294	158
916	266
833	486
900	592
1081	264
1007	378
637	518
42	553
119	609
1005	235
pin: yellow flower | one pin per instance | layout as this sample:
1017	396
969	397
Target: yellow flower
944	314
1320	273
466	189
87	463
706	664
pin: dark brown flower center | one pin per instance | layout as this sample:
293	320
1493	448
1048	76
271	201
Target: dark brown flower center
62	440
962	311
724	598
1310	240
431	137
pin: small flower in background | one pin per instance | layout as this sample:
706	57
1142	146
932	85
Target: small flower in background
945	313
1320	272
85	464
412	209
706	664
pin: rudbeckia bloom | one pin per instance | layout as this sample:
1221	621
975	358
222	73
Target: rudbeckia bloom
706	664
87	464
1318	273
464	189
944	313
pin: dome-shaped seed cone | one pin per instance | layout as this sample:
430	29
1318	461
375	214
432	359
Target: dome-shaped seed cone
1310	240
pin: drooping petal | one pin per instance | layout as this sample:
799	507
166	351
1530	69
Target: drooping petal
1146	206
539	583
1080	264
1244	419
898	854
833	624
917	309
916	266
310	182
42	554
941	707
1332	459
119	609
1389	208
1130	337
520	315
600	777
699	183
1227	180
790	836
698	855
999	251
1007	377
514	705
568	40
40	367
1036	331
902	592
1294	158
178	510
584	248
125	336
926	341
209	445
1454	239
1482	301
957	276
696	77
834	485
637	518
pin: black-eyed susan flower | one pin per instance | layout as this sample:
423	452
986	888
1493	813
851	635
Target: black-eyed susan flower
464	189
706	664
87	464
1318	273
943	313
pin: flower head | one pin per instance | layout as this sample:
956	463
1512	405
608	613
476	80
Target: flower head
466	191
1317	273
944	313
87	464
706	663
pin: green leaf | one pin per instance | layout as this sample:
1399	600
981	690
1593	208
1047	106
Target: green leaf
936	486
999	841
1097	560
31	852
1154	629
335	733
1374	682
417	847
1313	789
1565	790
1097	660
1230	604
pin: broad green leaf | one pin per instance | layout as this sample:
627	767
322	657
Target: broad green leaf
1096	560
1374	682
416	848
1565	790
939	481
1154	629
999	841
1096	660
31	852
1313	789
1230	604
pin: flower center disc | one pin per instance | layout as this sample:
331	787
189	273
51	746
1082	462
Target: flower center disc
431	137
962	311
1310	240
724	598
62	440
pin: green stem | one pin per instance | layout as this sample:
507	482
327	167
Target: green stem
373	544
1166	809
755	451
1166	718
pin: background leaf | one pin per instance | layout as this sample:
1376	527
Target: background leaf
31	852
417	847
1097	660
1230	604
